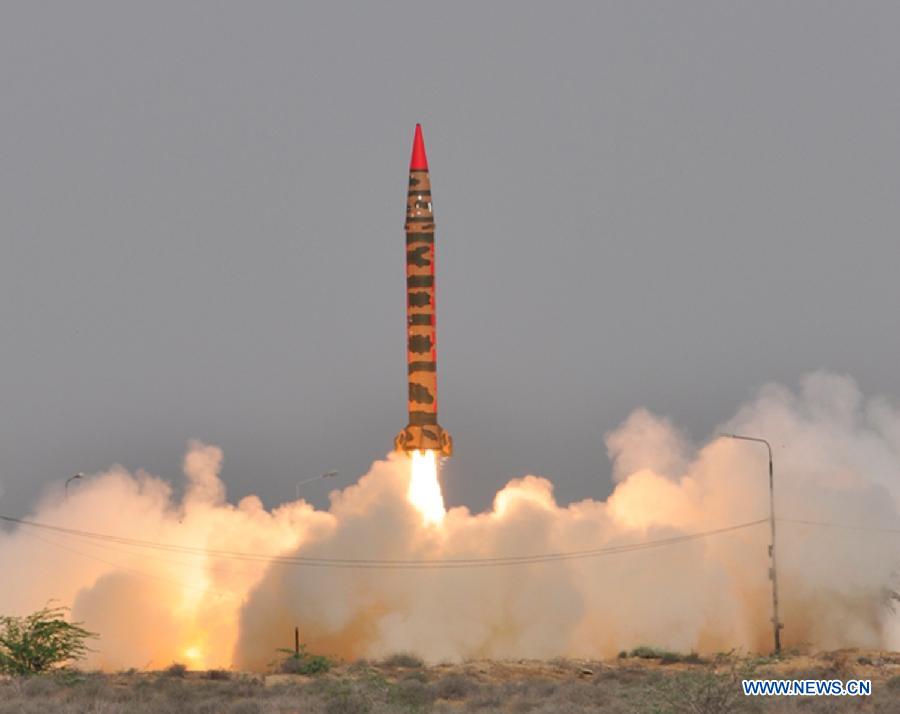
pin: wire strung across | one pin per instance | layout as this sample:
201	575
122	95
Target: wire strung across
381	564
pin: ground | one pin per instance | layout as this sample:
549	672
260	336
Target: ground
644	680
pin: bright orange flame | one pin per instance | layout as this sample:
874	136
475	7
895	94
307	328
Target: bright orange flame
424	489
194	656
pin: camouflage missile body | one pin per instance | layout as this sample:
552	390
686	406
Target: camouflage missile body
423	432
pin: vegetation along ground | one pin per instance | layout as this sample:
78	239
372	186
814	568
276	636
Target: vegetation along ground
643	680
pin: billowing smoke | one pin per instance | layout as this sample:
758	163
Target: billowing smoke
837	460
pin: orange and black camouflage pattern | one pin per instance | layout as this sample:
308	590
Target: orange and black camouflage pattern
423	431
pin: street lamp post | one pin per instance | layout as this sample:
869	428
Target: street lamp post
77	476
773	572
327	474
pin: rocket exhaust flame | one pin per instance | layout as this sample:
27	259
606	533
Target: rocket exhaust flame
194	655
424	488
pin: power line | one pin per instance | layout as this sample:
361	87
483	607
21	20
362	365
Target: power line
127	569
382	564
843	526
195	562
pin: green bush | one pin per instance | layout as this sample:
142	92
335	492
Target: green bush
41	641
665	656
304	663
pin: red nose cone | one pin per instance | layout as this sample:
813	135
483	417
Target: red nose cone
419	161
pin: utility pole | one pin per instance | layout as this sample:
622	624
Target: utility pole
773	572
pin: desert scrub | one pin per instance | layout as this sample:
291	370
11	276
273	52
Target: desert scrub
664	656
238	687
561	663
218	674
580	693
455	687
411	694
537	689
416	674
702	692
342	697
39	687
404	659
176	669
487	697
86	684
245	706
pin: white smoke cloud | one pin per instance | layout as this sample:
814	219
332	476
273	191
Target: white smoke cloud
646	441
837	460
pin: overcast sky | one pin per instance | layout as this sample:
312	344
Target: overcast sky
638	204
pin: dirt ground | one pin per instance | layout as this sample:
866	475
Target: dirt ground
645	680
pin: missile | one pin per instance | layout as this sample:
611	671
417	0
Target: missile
423	433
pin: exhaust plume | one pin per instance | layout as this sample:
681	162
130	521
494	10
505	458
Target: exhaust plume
837	456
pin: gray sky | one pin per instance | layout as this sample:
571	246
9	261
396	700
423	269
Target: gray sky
638	204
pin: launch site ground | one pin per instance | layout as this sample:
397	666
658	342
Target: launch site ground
644	680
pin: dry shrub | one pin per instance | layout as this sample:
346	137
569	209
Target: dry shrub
624	676
702	692
245	706
39	687
339	696
411	694
525	695
487	697
404	659
581	694
555	707
455	687
664	656
176	669
348	703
